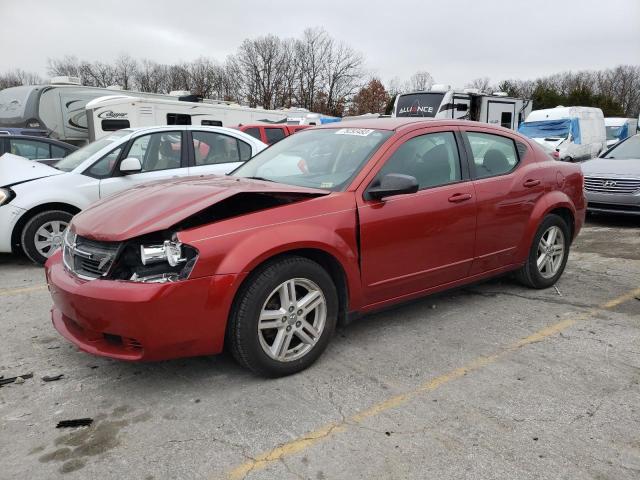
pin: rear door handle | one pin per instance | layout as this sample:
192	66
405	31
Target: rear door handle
459	197
531	183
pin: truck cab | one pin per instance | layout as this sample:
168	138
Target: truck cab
270	133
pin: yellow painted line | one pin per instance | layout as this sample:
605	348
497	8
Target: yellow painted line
17	291
297	445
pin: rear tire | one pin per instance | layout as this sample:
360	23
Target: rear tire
548	254
283	317
43	233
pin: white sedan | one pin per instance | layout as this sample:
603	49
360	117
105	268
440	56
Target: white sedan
37	201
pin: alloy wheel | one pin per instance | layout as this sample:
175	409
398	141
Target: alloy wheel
550	252
292	319
49	237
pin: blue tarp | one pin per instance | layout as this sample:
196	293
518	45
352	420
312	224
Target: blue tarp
623	131
324	120
552	128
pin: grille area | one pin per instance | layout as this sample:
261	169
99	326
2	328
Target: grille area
626	186
88	258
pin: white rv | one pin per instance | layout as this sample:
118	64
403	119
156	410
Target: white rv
58	107
114	112
619	128
441	101
576	133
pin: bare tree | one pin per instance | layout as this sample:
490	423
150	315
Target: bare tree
263	62
125	71
312	54
68	65
98	74
16	78
150	76
483	84
420	81
343	77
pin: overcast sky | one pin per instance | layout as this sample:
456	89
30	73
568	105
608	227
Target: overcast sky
456	41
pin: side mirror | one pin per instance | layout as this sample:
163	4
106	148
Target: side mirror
393	184
130	165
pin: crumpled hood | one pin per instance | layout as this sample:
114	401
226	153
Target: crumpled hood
159	205
15	169
612	166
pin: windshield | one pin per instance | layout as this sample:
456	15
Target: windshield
546	129
13	102
618	132
325	158
71	161
629	149
419	104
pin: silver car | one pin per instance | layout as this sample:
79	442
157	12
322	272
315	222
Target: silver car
612	181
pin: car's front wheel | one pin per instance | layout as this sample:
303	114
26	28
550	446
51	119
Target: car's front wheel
42	234
548	254
283	317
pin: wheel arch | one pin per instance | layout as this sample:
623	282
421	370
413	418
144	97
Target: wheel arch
330	263
29	214
556	202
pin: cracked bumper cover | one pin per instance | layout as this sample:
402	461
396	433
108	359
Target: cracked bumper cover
138	321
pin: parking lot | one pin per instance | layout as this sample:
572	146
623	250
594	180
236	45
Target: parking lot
490	381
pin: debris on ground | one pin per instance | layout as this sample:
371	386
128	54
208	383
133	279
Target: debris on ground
76	422
52	378
19	379
557	290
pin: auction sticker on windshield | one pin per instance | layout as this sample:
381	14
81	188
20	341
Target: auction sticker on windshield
360	132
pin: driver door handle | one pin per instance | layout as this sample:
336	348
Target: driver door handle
459	197
531	183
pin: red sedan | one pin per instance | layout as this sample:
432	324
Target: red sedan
329	223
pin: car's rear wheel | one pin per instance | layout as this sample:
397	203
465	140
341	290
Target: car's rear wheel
43	233
283	317
548	254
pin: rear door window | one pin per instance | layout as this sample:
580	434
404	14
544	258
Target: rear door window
212	148
274	135
58	152
254	132
493	155
31	149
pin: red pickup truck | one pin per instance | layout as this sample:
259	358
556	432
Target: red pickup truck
268	133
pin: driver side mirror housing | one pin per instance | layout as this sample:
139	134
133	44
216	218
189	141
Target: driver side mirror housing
130	165
393	184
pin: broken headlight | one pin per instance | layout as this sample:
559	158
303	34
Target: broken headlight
169	261
154	259
170	252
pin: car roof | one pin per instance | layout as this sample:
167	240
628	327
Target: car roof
398	123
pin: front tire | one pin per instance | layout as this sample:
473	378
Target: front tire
283	317
43	233
548	254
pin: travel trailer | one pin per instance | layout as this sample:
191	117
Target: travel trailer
575	133
58	108
441	101
619	128
114	112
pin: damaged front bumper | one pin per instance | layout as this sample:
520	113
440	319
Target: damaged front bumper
141	321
